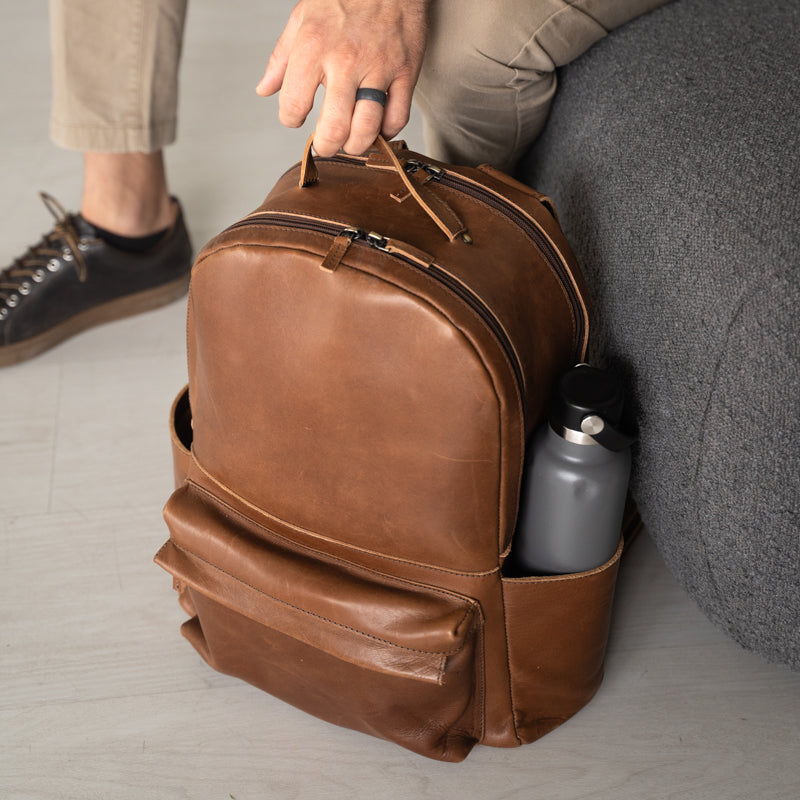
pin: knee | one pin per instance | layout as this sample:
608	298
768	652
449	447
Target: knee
469	54
457	70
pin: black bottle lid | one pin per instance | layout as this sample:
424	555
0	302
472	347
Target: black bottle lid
589	401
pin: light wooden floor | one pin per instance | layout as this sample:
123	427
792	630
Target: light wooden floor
101	698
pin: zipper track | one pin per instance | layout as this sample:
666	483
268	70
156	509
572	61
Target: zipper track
523	222
372	240
545	246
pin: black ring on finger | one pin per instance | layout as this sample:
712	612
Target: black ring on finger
375	95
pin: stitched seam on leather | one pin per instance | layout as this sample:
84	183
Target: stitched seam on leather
316	535
479	715
328	557
299	215
476	200
398	259
433	281
191	553
559	282
572	576
533	221
511	700
501	545
465	306
520	405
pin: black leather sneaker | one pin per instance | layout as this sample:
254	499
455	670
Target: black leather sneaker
72	280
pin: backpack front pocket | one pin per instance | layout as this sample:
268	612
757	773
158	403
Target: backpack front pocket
355	647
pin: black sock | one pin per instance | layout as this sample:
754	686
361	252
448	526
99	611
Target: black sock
130	244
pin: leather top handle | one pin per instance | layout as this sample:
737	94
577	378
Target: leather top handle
435	207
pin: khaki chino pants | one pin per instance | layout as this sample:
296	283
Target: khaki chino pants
485	88
115	73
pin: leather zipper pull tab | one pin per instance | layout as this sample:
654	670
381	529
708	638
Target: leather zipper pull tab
338	248
308	169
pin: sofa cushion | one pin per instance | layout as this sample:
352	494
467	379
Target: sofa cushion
673	155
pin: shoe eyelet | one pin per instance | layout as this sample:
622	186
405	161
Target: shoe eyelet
53	265
12	301
66	254
38	276
83	244
25	289
3	313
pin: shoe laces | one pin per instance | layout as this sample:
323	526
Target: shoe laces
63	243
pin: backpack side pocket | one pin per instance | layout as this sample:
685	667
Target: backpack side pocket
557	630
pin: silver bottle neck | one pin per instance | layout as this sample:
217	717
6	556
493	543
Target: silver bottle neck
576	437
590	426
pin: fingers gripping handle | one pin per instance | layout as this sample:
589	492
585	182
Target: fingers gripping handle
436	208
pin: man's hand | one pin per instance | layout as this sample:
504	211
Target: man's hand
345	45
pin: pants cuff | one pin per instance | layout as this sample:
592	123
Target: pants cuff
105	139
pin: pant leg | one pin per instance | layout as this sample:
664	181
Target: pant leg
115	73
489	74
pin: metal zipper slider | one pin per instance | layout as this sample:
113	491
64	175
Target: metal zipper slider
376	240
433	173
339	247
413	167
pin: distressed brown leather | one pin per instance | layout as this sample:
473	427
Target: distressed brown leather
348	488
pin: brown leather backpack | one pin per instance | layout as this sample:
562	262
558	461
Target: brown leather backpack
367	353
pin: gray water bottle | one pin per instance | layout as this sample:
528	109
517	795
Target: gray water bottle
575	480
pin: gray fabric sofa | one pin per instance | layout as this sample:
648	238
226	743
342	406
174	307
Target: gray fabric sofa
673	155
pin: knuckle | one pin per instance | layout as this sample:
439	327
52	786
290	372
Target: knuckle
324	148
347	55
329	144
364	127
292	112
390	131
311	35
396	119
336	133
362	134
355	147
